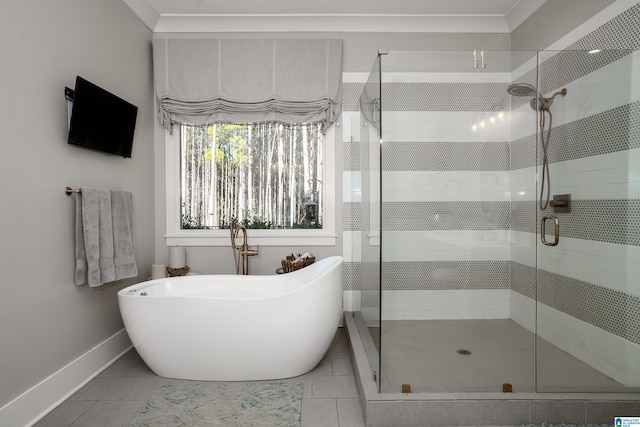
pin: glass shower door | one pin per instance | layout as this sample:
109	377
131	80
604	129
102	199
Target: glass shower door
370	136
446	193
588	247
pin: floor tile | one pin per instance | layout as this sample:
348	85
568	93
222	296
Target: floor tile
109	414
120	368
334	387
113	398
342	367
350	413
65	414
105	389
319	413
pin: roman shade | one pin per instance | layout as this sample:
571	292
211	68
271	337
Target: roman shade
202	81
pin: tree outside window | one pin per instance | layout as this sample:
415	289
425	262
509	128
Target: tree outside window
260	175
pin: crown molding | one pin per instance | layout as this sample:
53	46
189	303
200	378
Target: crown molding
332	23
281	23
521	12
145	11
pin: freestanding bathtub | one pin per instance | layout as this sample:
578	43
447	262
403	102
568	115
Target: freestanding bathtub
235	328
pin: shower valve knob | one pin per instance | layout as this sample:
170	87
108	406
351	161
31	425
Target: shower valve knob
561	203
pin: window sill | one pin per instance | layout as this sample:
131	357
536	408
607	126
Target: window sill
255	237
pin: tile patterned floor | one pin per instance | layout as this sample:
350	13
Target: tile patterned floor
424	353
330	398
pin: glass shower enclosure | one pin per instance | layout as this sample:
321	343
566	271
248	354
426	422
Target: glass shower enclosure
467	283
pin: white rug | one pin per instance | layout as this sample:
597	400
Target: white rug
247	404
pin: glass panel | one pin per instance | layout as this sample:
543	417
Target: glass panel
455	224
370	234
588	291
462	288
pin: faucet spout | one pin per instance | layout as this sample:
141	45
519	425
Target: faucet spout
243	250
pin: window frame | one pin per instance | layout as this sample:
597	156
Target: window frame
176	236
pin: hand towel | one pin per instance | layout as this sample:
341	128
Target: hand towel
104	237
122	220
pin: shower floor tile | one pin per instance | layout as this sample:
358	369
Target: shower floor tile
478	356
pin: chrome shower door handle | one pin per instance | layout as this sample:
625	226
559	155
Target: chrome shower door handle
556	234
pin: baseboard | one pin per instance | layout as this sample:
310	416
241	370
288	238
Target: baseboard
39	400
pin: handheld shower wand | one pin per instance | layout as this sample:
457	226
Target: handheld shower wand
542	104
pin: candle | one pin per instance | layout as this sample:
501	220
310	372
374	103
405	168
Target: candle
177	257
158	271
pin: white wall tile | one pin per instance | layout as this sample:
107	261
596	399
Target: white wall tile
450	186
352	246
602	350
446	245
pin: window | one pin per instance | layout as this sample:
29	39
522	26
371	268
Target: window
272	178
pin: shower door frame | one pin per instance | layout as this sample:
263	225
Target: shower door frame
530	312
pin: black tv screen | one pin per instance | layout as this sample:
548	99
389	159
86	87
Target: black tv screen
100	120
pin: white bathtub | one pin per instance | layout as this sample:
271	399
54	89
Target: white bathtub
235	328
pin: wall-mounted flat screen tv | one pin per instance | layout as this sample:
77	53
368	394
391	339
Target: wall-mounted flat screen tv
100	120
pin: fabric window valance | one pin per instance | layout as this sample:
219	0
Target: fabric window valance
238	80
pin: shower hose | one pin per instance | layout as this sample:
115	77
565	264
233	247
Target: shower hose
546	180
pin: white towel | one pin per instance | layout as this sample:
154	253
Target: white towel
104	237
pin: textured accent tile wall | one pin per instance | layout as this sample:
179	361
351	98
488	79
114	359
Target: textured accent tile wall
445	156
609	220
613	311
445	275
444	96
611	131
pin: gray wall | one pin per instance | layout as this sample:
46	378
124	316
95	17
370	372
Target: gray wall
554	19
46	322
359	53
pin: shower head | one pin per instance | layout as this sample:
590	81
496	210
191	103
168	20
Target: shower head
522	89
538	102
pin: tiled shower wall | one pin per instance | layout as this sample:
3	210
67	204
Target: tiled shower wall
459	209
589	285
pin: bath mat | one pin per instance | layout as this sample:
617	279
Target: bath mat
250	404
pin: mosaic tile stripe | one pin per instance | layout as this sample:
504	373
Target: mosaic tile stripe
351	216
569	65
523	151
613	311
351	276
611	131
445	275
607	132
351	96
607	309
406	216
621	32
523	279
445	156
523	216
603	220
351	156
607	220
371	275
617	37
428	96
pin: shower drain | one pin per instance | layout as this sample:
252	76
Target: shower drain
463	351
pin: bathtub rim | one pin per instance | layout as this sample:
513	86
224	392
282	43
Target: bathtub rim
297	277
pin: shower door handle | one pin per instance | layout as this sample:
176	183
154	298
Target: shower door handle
556	234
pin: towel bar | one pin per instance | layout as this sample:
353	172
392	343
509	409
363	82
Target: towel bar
69	191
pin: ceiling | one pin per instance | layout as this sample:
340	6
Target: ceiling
475	16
